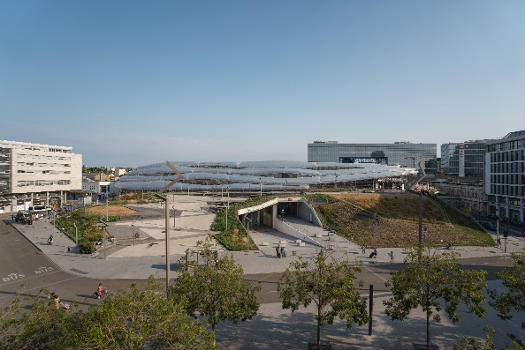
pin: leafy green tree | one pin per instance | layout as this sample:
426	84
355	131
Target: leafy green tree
217	291
430	279
129	319
472	343
513	298
329	284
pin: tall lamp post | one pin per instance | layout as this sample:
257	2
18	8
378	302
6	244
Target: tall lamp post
167	217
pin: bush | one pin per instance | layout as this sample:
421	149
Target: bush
88	226
236	237
86	246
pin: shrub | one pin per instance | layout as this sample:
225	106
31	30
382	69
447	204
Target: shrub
86	246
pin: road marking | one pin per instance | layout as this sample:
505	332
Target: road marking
14	276
44	286
28	279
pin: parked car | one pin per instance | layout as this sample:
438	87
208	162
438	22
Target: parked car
24	217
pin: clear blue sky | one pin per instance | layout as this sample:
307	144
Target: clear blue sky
135	82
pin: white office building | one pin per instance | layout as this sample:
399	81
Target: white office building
28	169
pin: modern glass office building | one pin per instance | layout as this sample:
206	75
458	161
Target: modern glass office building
405	154
464	159
505	177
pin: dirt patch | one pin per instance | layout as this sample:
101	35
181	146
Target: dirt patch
114	210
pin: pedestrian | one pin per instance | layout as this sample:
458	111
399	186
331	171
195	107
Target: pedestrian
391	254
363	249
498	242
277	252
283	252
56	299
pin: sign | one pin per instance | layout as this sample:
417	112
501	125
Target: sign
461	160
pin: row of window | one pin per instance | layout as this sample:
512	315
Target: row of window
506	190
509	156
43	183
38	156
514	167
23	164
507	145
516	179
56	172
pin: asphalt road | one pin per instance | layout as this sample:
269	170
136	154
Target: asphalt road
24	269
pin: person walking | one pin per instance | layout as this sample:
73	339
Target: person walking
283	252
277	252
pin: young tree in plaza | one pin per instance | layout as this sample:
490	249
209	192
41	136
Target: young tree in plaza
329	284
428	280
513	297
129	319
217	291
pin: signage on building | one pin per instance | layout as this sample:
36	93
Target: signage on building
462	160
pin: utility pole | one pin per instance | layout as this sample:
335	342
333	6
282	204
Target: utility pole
370	308
166	221
104	226
420	229
107	205
76	232
227	209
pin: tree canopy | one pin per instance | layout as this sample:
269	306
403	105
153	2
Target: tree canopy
430	279
329	284
129	319
513	297
217	291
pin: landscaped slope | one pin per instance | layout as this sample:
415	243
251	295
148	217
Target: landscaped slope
353	216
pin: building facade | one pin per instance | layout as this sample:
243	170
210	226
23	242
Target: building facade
464	159
404	154
505	177
28	168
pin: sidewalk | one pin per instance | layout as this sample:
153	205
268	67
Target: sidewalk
94	266
128	266
275	328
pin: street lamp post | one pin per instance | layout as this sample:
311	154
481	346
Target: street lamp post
166	219
76	233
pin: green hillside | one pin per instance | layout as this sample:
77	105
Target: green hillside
353	216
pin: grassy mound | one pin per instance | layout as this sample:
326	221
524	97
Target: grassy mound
236	237
353	216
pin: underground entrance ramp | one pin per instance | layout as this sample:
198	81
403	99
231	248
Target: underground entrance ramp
275	213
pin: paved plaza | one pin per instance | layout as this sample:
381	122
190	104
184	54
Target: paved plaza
139	258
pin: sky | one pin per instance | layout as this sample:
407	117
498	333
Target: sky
130	83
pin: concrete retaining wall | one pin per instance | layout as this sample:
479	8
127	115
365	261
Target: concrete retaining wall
283	227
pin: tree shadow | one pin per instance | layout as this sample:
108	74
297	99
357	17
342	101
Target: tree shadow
295	330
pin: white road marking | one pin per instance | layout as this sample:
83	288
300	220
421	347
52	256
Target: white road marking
28	279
